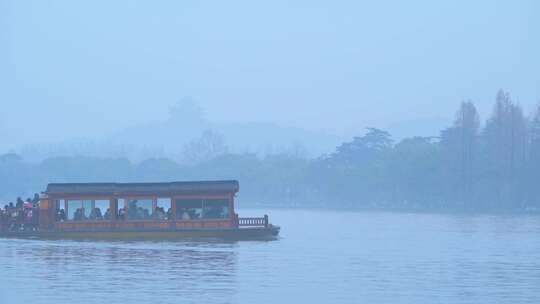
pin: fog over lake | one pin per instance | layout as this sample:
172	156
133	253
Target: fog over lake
396	145
89	70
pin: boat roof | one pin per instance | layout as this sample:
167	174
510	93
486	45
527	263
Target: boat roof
167	188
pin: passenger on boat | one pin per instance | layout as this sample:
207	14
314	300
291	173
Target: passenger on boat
10	208
132	211
4	218
19	219
143	213
35	219
79	215
35	200
96	214
20	203
121	214
27	220
4	214
185	216
160	213
99	215
136	213
12	216
107	215
216	212
28	204
61	215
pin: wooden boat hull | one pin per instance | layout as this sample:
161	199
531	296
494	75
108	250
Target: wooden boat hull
248	233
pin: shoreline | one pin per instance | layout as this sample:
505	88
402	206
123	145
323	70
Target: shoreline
251	206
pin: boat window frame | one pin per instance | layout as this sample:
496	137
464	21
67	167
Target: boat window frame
93	200
204	204
154	214
142	197
154	199
175	215
203	198
114	201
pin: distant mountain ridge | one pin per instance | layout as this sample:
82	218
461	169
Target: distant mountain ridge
253	137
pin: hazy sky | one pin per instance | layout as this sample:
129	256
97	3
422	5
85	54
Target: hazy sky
90	68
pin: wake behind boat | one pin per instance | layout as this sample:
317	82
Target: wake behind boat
127	211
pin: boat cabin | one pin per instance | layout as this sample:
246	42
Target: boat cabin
145	206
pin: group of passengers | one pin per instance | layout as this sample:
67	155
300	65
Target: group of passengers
133	213
139	213
162	215
80	215
188	213
21	216
95	215
210	212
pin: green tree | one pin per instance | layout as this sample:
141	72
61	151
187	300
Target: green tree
358	172
373	145
533	168
459	144
505	146
416	173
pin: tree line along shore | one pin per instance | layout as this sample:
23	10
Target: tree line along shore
492	165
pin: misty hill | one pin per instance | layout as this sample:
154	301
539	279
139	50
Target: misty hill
494	166
254	137
185	124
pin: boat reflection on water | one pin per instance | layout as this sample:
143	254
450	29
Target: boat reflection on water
125	272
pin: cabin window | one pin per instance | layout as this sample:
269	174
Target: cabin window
60	210
188	209
120	209
74	208
101	210
94	210
216	208
140	209
163	209
78	210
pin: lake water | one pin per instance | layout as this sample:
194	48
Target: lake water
321	257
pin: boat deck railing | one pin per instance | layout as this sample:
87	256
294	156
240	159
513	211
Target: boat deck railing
252	221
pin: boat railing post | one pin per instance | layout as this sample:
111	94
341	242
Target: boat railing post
266	221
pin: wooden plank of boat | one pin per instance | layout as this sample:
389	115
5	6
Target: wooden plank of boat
248	233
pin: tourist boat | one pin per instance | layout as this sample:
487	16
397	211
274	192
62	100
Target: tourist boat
153	211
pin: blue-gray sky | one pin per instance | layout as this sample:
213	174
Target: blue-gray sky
91	68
